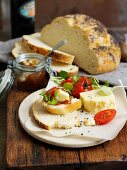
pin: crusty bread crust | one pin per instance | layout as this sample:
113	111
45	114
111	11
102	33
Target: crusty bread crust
94	49
62	108
57	55
41	124
19	49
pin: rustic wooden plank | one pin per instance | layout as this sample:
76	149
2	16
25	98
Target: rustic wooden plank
24	151
2	133
115	17
110	155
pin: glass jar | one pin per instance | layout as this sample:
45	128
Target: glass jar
30	71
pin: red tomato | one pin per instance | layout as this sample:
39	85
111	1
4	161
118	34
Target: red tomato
104	116
68	80
51	91
85	81
77	90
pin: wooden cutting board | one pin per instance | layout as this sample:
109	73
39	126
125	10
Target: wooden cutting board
25	152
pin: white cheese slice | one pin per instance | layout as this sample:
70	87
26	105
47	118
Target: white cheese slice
62	96
93	102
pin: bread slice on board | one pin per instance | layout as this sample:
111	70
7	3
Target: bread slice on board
34	44
56	66
49	121
94	49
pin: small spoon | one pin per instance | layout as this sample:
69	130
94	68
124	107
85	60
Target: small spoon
49	59
61	43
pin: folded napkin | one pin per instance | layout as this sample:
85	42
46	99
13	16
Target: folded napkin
5	50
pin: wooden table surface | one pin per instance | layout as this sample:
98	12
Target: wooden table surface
25	152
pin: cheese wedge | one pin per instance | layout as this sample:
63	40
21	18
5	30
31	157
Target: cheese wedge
93	102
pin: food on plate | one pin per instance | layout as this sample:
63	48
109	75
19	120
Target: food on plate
34	44
50	121
95	50
58	101
93	102
76	84
94	97
60	107
104	116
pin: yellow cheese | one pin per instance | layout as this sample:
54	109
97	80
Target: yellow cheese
93	102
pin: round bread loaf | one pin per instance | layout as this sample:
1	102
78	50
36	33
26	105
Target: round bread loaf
94	49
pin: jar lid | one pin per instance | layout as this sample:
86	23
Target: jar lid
6	81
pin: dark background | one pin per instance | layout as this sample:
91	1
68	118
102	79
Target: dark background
113	13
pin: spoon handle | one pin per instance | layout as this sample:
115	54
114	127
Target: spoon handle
61	43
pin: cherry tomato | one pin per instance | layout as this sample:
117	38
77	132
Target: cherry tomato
77	90
104	116
51	91
68	80
85	81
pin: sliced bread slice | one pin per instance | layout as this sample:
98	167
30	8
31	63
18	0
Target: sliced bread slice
63	109
69	68
19	49
33	42
56	66
49	121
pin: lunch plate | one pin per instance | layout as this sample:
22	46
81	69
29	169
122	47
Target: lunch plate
71	140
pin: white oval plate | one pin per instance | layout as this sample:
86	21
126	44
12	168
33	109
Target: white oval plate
67	141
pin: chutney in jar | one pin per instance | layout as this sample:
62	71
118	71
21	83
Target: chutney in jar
31	74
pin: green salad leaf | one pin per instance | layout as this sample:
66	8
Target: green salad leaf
57	80
105	91
94	81
55	93
76	78
63	74
53	101
106	83
68	86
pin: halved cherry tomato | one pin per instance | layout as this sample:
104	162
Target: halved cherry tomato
77	90
68	80
51	91
104	116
